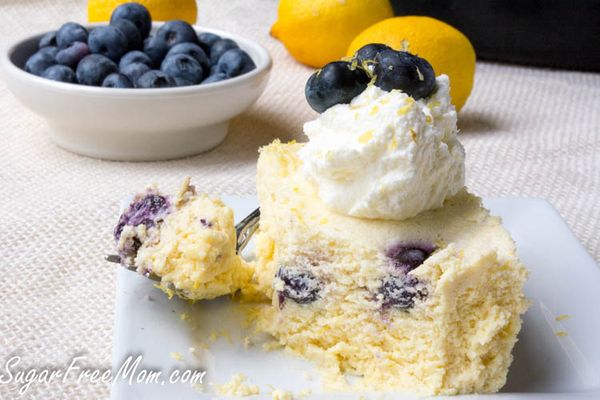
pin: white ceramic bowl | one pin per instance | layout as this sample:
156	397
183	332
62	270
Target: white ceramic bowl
136	124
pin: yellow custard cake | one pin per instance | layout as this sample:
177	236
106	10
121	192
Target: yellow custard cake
378	261
428	305
188	240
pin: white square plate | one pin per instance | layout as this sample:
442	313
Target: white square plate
564	280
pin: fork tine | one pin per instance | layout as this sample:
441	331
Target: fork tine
245	229
113	258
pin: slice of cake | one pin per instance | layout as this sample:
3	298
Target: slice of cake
428	305
188	240
378	261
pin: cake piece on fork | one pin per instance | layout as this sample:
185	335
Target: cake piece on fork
187	240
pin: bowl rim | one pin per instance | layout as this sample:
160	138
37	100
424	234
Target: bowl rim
263	64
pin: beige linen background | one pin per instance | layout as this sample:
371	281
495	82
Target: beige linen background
528	132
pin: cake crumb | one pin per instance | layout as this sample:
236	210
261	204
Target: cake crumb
248	342
304	393
186	191
237	386
176	356
184	316
271	346
202	345
199	388
562	317
279	394
561	334
227	336
215	335
168	291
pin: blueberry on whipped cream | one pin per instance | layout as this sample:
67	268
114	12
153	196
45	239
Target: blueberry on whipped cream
336	83
145	212
366	55
404	71
340	81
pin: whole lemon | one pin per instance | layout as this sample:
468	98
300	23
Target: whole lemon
446	48
316	32
160	10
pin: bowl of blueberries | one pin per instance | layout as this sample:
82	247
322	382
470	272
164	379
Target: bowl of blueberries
136	90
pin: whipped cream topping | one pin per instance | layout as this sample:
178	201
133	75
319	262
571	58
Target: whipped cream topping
385	155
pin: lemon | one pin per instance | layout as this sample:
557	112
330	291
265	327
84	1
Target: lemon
316	32
160	10
446	48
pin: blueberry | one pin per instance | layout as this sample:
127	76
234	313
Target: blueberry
156	49
336	83
60	73
49	39
220	47
155	79
404	71
301	286
108	41
136	13
216	77
235	62
39	62
117	81
206	40
69	33
184	69
194	51
366	54
143	210
402	291
131	33
407	256
135	56
134	71
175	32
49	50
147	210
71	55
93	69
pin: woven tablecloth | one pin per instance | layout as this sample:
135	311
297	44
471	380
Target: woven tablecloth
528	132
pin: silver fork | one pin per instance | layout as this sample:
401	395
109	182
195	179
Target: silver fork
244	231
